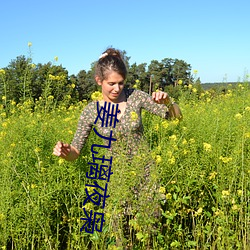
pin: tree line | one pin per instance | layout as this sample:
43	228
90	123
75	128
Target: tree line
22	79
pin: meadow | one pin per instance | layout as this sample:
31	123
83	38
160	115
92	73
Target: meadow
202	166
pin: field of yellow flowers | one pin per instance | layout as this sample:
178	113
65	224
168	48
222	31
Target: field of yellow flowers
202	165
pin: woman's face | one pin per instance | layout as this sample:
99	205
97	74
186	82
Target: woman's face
112	86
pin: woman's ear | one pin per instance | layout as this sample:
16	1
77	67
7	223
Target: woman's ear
98	80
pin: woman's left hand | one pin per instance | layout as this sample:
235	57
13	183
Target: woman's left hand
161	97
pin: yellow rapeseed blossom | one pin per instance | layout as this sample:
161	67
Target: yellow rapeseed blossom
156	127
225	193
37	149
33	186
137	81
72	85
61	161
162	190
239	192
238	116
3	97
195	71
191	140
207	147
56	58
180	82
171	160
2	217
2	72
212	175
168	196
135	86
190	86
194	90
29	44
184	141
247	135
247	108
235	207
158	159
225	159
50	97
96	96
198	212
173	137
133	116
164	124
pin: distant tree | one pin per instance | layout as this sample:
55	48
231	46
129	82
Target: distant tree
18	79
86	84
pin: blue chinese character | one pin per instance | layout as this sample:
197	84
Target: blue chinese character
90	224
96	173
105	114
110	138
96	196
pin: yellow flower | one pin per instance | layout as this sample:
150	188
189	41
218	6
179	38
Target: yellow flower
162	190
247	108
194	90
198	212
212	175
158	159
171	160
37	149
238	116
137	81
2	217
225	159
50	97
190	86
133	116
191	140
56	58
29	44
164	124
225	193
247	135
3	97
73	85
168	196
33	186
235	207
13	103
180	82
195	71
173	137
2	72
135	86
133	173
239	192
96	96
61	161
207	147
156	127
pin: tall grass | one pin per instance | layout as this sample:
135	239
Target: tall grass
201	167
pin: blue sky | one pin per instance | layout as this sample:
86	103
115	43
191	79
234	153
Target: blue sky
212	36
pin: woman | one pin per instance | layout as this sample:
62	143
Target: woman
110	74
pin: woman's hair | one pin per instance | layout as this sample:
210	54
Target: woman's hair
110	60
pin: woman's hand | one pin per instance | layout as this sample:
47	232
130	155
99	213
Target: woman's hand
161	97
61	149
65	151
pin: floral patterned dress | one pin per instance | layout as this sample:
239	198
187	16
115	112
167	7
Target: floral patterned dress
129	129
